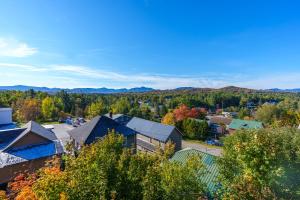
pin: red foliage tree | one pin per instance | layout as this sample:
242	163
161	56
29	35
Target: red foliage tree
183	112
21	182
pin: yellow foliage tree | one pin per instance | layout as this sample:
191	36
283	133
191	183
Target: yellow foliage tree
168	119
2	195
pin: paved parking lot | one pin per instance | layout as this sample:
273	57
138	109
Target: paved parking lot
61	132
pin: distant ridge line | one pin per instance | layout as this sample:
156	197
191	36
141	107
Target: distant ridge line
105	90
102	90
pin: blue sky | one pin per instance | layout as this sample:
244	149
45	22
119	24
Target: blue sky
154	43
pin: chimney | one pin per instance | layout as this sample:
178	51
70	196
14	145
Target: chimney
110	114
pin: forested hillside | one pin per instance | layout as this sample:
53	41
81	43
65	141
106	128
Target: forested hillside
270	107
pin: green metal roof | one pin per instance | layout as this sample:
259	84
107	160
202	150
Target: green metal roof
210	177
245	124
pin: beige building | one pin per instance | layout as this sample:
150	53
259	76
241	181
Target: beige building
153	135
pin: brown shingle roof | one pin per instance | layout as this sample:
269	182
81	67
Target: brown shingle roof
220	120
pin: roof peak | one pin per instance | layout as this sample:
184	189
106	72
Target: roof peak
35	128
167	125
99	124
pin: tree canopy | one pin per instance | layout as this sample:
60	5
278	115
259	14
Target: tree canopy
107	170
261	164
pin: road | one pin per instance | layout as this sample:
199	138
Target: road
211	150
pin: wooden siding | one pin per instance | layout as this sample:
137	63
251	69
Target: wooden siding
30	139
176	138
8	173
131	141
142	137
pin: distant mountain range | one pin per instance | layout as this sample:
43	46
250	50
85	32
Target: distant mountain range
104	90
295	90
77	90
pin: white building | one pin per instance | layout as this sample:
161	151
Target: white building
5	116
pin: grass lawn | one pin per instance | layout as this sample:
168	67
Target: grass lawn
51	122
41	123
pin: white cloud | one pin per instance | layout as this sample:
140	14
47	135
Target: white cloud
82	76
96	76
283	81
12	48
149	80
88	72
22	67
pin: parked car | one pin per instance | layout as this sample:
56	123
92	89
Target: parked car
214	142
60	120
81	120
69	121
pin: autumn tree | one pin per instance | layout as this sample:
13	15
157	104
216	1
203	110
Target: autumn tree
184	112
51	184
175	181
181	113
28	109
96	108
3	195
122	105
21	186
48	108
123	175
185	120
261	164
267	113
169	119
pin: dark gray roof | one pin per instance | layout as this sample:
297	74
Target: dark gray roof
10	156
97	128
114	116
7	136
34	128
151	129
120	118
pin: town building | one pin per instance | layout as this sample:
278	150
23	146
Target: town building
238	124
210	178
6	119
230	114
98	128
26	149
153	135
139	133
120	118
218	124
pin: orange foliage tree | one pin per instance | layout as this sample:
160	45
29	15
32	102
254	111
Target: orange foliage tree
183	112
20	187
